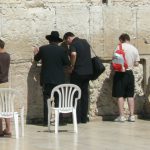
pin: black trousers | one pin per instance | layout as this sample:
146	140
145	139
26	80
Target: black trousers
82	108
47	89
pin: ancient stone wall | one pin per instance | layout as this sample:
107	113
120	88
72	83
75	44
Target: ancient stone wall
102	102
24	23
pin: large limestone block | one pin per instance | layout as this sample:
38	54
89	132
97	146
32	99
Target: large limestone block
141	2
34	94
96	30
130	2
10	1
101	101
22	28
71	1
117	20
147	95
74	19
24	77
143	28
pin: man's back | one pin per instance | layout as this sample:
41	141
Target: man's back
4	67
131	54
83	65
53	59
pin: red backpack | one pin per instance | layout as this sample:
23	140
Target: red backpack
119	62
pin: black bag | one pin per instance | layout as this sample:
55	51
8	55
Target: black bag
98	67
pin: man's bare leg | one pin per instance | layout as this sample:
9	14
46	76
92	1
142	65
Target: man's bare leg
131	105
1	126
8	128
121	106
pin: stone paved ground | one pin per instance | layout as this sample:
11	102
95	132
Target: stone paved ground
96	135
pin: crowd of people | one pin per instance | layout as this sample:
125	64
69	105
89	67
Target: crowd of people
69	60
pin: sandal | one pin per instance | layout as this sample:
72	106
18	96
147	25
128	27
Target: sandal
7	134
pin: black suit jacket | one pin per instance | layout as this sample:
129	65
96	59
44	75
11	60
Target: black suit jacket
83	65
53	58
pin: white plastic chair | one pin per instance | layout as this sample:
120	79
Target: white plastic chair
7	108
68	95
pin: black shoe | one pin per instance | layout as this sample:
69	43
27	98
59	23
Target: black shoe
45	124
62	123
85	120
69	120
78	121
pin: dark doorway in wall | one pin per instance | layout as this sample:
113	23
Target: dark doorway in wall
105	1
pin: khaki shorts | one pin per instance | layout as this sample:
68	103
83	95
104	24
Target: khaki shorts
4	85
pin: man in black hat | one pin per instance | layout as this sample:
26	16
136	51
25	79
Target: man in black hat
53	58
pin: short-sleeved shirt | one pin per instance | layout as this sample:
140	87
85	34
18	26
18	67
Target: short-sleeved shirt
131	54
83	65
4	67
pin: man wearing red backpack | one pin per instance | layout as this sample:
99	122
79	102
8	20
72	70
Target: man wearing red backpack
125	58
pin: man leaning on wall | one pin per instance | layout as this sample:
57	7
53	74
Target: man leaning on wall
53	59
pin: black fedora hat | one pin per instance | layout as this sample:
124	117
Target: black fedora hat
54	37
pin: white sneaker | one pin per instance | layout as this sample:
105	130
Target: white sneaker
120	119
131	118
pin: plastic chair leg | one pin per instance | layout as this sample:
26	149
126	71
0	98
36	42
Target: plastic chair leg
16	125
56	120
49	118
75	120
22	123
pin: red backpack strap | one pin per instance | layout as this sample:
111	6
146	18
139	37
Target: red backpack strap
120	46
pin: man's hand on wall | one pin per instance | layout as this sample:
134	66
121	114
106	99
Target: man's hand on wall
35	50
